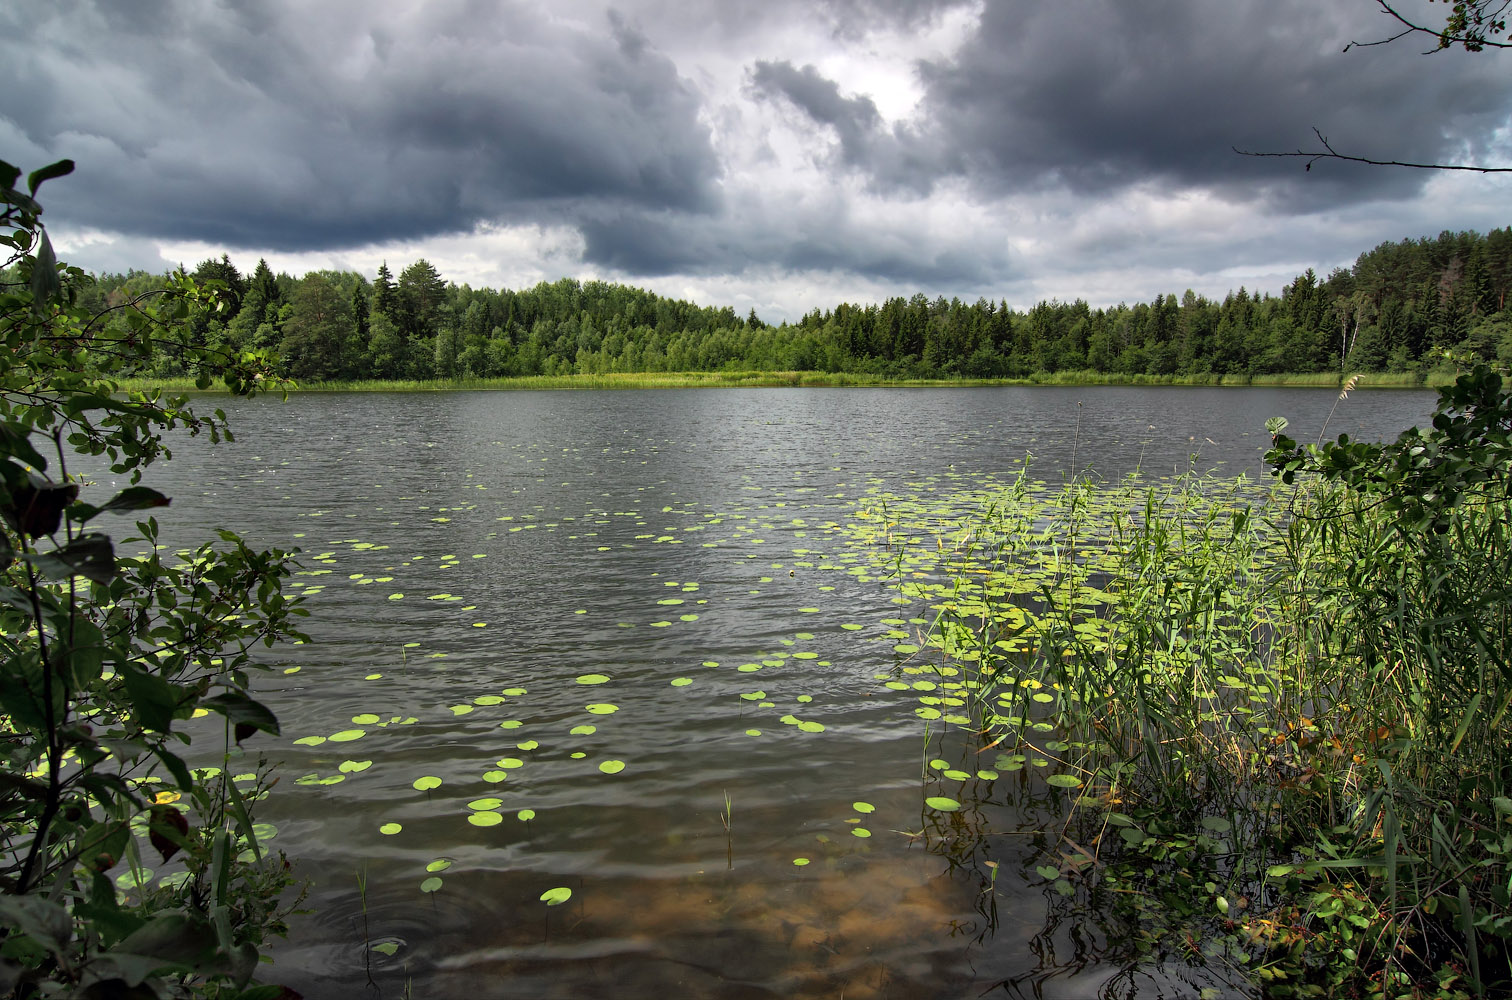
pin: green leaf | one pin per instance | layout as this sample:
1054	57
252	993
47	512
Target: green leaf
242	710
153	700
943	803
91	556
45	286
34	180
557	896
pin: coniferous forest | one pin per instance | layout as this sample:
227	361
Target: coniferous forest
1403	307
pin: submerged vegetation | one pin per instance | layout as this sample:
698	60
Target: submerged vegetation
1275	718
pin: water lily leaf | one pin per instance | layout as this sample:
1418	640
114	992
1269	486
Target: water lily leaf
525	815
942	803
593	679
811	727
353	766
861	832
679	682
800	862
863	807
612	766
427	782
430	885
583	730
509	763
389	829
387	948
439	865
557	896
485	804
602	708
485	818
365	719
1064	781
528	745
347	735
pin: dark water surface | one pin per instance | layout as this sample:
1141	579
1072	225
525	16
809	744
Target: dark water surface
665	540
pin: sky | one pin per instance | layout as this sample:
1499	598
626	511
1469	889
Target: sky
776	155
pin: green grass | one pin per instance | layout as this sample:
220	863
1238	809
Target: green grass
679	380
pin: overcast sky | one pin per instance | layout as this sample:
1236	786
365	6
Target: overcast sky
776	154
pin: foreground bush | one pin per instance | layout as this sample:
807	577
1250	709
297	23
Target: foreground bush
103	656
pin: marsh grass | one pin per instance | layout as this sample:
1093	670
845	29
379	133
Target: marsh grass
1277	721
683	380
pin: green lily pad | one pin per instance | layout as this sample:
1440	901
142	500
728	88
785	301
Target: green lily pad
942	803
365	719
593	679
430	885
439	865
811	727
863	807
348	735
557	896
525	815
1063	781
353	766
426	783
389	829
584	730
681	682
485	818
612	766
800	862
485	804
602	708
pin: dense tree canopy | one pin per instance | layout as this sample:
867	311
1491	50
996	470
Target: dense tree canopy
1402	307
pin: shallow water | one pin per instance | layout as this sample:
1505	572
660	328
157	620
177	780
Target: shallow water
473	560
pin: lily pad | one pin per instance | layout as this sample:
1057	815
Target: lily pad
942	803
612	766
557	896
593	679
430	885
389	829
485	818
427	782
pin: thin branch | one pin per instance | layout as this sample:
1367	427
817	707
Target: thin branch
1329	153
1471	40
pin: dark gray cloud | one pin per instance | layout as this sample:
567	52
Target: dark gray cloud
1097	96
296	126
854	119
646	244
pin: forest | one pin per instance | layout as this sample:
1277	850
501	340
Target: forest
1403	307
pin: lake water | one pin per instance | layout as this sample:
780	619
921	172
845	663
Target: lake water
478	562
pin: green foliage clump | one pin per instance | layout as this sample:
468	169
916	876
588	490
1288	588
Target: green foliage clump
105	656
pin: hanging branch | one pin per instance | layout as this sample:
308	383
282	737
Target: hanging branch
1471	24
1329	153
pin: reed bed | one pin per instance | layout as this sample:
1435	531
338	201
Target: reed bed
1275	720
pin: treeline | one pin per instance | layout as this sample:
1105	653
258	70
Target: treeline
1398	309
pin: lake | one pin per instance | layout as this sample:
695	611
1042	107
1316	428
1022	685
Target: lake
660	622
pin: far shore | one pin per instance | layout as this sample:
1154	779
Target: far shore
748	379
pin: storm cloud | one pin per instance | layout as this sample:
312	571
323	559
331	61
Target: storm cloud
302	126
951	146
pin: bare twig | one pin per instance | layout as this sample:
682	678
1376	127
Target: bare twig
1329	153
